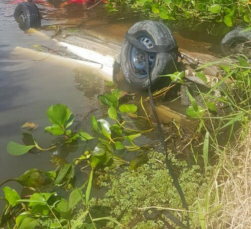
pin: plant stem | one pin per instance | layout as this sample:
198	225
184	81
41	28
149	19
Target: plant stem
142	105
12	179
92	220
54	216
41	149
138	131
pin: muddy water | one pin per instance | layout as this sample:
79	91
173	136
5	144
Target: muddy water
28	86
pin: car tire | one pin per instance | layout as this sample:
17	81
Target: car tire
133	64
27	16
237	41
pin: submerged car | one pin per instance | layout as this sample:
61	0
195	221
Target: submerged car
149	48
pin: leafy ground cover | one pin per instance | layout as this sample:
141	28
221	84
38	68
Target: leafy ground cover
230	12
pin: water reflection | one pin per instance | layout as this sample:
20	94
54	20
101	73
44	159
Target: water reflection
90	86
28	86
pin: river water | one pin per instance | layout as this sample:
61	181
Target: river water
29	85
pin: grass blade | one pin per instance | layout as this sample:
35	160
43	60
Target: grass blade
205	150
89	187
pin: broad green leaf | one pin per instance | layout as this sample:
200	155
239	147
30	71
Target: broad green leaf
101	154
119	145
69	121
202	76
75	197
109	84
109	100
163	12
155	8
177	77
98	155
215	8
211	106
116	129
55	129
243	62
99	150
55	225
128	108
110	7
105	144
133	136
28	139
51	174
95	160
229	11
112	113
69	176
105	128
68	133
62	173
62	206
94	123
195	113
226	68
11	196
61	115
21	217
83	136
39	199
40	209
142	2
34	178
73	138
117	93
228	21
28	223
16	149
246	18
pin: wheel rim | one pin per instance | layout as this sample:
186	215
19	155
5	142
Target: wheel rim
137	57
21	18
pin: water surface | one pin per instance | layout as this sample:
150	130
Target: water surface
29	85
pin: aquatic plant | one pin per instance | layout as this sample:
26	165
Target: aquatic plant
139	194
230	12
48	209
